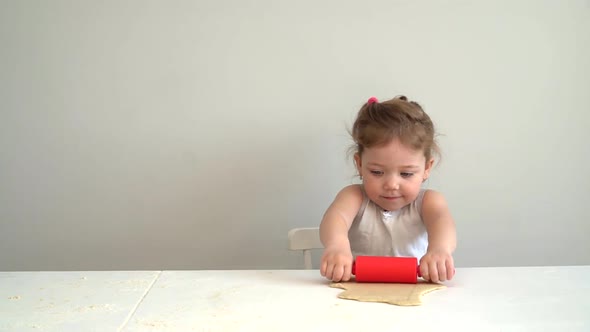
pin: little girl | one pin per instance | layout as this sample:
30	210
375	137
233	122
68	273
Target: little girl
389	214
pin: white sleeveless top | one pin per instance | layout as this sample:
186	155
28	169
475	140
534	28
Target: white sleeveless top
376	232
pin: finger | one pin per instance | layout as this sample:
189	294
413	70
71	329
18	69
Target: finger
324	267
338	273
442	271
450	269
424	272
433	272
329	271
347	272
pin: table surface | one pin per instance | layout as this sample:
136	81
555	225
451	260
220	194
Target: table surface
551	298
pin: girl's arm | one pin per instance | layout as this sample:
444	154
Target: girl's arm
336	261
437	265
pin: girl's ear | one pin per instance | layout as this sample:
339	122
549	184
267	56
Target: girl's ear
427	169
357	163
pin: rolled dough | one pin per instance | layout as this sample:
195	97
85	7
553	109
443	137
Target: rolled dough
398	294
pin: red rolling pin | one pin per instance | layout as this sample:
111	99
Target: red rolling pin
386	269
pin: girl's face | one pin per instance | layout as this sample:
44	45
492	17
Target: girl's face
392	174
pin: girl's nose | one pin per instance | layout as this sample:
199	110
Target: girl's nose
392	183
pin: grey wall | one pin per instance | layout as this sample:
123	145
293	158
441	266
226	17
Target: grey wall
195	134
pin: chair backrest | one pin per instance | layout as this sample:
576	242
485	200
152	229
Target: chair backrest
305	239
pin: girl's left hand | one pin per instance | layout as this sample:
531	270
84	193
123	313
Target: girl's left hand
437	265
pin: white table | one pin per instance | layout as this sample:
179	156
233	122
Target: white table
478	299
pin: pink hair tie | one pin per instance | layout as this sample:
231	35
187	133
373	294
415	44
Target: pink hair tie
372	100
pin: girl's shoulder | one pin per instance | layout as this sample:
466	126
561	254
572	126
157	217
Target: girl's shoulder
346	204
433	200
351	192
430	194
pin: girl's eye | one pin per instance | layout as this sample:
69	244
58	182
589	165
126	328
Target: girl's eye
407	175
377	172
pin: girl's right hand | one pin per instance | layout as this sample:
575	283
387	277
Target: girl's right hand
336	263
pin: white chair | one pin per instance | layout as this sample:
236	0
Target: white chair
305	239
